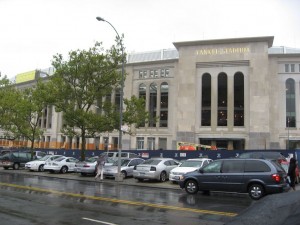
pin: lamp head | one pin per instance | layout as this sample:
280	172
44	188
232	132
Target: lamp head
100	18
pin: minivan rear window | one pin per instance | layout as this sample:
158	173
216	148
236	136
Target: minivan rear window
256	166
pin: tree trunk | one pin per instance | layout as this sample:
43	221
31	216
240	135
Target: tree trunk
83	144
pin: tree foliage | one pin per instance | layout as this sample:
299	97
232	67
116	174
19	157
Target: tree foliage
21	110
82	81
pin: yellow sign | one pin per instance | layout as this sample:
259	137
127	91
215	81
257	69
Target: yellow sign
222	51
23	77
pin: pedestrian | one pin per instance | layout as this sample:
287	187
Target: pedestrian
99	167
292	172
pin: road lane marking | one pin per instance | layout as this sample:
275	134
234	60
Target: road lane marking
127	202
98	221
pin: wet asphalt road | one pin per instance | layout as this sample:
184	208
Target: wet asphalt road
30	199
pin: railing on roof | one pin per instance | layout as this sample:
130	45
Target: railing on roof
283	50
163	54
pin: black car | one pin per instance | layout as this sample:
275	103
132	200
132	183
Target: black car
15	159
257	177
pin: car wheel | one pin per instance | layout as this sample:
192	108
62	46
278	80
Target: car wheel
163	176
123	174
64	169
6	168
41	168
140	179
83	174
256	191
191	186
16	166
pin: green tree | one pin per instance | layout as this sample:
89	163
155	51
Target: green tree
22	109
80	82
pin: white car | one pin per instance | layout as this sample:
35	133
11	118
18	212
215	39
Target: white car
189	165
38	164
63	165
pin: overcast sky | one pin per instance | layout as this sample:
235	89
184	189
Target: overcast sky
32	31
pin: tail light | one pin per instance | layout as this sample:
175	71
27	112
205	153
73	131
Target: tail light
152	168
276	177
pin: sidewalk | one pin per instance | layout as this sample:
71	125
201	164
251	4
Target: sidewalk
90	178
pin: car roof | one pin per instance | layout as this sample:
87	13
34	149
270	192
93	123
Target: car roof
198	159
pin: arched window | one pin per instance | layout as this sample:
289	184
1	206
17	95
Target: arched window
164	103
153	104
206	100
222	99
142	91
239	99
290	103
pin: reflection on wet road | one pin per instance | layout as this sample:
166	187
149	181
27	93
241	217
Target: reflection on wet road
137	203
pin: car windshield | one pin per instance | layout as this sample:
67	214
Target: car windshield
92	159
44	158
152	161
191	164
60	159
124	162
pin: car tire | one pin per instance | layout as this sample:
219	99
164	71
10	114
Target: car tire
256	191
191	187
16	166
163	176
83	174
140	179
123	174
6	168
64	169
41	168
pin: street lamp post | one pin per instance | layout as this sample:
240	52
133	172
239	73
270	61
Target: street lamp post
119	176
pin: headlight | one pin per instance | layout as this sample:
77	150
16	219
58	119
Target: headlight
181	177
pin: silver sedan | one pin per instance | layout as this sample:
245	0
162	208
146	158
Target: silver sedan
155	169
89	165
126	169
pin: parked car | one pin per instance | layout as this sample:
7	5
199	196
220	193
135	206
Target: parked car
263	155
285	166
14	159
257	177
188	166
126	169
89	165
38	164
62	165
155	169
115	155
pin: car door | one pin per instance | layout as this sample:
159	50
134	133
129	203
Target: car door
232	175
71	163
209	177
170	164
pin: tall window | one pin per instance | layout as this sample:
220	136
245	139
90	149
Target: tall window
140	143
142	94
153	104
151	143
164	102
206	100
238	99
118	98
222	99
290	103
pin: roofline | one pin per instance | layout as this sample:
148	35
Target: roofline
268	39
